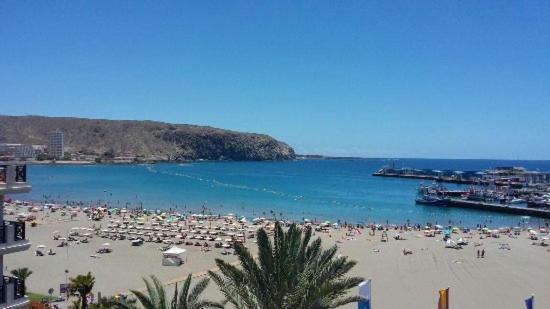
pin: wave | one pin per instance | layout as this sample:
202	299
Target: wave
281	194
224	184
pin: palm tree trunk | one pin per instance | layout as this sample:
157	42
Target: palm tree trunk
84	301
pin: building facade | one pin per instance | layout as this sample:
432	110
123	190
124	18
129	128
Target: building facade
56	144
13	180
18	151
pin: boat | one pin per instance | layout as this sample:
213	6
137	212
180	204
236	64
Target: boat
430	200
517	201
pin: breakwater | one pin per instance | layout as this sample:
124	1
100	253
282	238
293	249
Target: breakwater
523	211
514	177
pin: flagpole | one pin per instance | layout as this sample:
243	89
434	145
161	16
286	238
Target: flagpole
370	289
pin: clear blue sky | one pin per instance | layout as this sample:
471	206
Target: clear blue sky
441	79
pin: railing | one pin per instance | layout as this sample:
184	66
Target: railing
9	294
18	284
3	294
13	177
20	173
18	228
3	173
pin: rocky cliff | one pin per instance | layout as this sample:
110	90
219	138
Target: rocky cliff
146	139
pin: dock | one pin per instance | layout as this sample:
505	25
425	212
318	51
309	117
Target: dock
427	177
514	177
523	211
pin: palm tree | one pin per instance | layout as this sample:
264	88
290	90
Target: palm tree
290	273
22	273
83	284
113	303
184	298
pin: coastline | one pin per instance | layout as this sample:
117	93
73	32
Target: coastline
314	189
414	277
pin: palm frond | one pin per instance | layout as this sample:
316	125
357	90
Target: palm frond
291	272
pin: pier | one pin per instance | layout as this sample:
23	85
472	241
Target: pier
523	211
426	177
514	177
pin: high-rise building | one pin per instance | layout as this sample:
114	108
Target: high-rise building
13	179
55	144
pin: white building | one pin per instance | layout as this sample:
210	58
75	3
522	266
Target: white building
19	151
13	179
55	144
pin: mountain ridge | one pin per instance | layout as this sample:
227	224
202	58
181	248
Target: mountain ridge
145	138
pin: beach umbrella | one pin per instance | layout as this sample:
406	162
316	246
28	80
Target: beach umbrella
41	247
106	244
175	251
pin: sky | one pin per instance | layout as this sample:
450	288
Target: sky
431	79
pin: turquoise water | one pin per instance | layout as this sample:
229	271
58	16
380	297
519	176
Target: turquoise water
315	189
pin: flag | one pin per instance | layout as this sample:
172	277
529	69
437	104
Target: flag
530	302
364	294
363	304
443	299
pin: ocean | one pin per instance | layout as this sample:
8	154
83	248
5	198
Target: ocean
315	189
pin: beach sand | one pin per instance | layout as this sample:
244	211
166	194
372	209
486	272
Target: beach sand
503	279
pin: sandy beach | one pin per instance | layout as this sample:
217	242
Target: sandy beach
502	279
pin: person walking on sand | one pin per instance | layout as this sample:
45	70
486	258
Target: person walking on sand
482	253
478	253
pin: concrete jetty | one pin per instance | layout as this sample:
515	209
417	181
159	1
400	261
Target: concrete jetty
524	211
